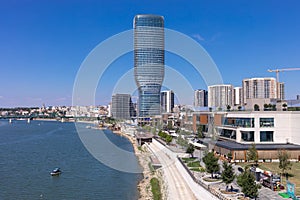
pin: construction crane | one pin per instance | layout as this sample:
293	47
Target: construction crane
281	70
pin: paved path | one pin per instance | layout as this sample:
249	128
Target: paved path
178	189
267	194
180	184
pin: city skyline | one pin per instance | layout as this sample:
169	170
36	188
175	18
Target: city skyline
44	44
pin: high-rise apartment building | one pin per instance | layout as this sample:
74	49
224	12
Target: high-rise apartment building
167	101
220	96
259	88
237	96
280	91
122	106
200	98
261	91
149	60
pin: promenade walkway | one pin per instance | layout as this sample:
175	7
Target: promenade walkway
180	184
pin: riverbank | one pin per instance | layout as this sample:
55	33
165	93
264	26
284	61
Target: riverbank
143	154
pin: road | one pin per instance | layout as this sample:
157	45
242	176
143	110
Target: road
180	184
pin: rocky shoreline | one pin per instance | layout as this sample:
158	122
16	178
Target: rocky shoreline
143	155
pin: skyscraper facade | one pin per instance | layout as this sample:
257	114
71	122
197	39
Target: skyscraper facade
122	107
220	96
200	98
167	101
149	60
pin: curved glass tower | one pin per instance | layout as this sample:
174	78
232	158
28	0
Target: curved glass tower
149	60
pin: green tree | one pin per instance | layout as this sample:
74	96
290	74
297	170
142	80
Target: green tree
252	154
266	106
228	107
284	162
270	105
239	108
227	174
211	163
161	134
256	107
200	131
229	155
284	106
247	182
170	125
190	150
168	139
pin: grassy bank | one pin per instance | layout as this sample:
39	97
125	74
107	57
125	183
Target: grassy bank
155	188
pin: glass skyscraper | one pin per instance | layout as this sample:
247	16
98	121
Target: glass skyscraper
149	60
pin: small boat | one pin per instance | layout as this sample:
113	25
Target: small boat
55	172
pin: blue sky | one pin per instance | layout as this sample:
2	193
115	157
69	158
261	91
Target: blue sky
43	43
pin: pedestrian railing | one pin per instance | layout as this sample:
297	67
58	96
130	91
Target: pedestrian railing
213	191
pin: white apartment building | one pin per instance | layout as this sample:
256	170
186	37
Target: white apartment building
261	91
200	98
237	96
167	101
220	96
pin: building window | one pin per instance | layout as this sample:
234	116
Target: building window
239	122
266	136
228	133
266	122
247	136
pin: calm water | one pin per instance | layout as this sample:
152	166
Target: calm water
28	152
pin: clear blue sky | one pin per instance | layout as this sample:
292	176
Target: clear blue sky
43	43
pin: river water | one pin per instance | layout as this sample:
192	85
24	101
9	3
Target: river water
28	152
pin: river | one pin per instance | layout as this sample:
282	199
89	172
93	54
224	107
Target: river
28	152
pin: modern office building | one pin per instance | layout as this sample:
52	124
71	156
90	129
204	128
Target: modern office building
122	106
149	60
167	101
200	98
220	96
236	131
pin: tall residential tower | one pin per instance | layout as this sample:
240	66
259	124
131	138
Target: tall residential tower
220	96
200	98
167	101
149	60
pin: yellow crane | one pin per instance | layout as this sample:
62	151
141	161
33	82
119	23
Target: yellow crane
281	70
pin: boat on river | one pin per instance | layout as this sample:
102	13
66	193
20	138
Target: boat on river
55	172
